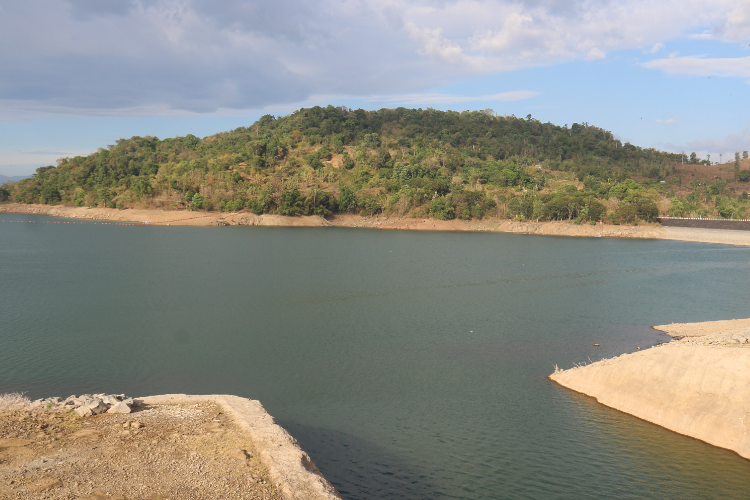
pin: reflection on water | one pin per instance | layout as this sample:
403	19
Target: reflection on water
409	365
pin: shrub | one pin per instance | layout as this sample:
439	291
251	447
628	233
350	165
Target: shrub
442	208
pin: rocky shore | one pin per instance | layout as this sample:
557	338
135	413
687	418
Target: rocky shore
697	385
158	217
170	447
87	404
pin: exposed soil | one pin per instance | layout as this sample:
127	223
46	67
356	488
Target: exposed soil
697	386
708	329
190	218
170	452
721	236
713	173
554	228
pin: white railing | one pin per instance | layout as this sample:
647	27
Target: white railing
703	218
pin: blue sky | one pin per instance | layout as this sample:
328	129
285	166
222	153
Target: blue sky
80	74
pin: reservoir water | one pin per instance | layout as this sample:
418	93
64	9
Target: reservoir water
408	364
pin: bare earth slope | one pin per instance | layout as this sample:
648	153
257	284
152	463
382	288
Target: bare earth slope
556	228
698	386
190	218
172	447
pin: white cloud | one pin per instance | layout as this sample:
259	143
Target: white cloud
738	67
726	145
200	56
430	99
668	121
656	48
736	27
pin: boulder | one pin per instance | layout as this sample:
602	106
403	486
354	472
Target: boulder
110	400
120	407
84	411
97	406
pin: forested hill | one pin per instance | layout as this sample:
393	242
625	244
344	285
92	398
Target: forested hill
395	161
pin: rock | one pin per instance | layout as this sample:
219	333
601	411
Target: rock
84	411
238	454
110	400
44	484
82	401
119	407
136	425
97	406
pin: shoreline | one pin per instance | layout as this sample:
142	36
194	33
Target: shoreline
550	228
696	385
225	446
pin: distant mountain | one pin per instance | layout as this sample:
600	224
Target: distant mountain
5	178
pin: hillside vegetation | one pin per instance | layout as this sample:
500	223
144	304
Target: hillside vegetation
406	162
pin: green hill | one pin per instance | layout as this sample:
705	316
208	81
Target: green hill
401	161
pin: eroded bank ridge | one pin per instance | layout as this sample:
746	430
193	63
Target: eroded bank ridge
697	385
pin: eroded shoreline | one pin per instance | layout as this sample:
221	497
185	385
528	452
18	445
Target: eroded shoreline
171	446
697	386
553	228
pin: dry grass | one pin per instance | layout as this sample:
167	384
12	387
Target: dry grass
13	401
663	206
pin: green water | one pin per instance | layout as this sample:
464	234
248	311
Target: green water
408	364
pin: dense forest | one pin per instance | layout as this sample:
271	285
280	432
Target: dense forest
406	162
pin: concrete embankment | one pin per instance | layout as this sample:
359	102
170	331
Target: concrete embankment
698	386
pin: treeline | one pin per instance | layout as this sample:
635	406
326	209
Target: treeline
395	161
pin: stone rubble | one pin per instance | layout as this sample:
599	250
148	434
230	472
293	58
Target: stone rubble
87	405
739	339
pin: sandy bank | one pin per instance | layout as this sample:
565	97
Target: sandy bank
288	466
170	447
698	386
555	228
188	218
722	236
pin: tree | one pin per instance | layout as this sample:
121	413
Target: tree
198	200
442	208
348	161
736	166
347	200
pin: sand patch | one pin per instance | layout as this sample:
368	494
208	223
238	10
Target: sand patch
698	386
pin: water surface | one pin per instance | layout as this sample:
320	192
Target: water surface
408	364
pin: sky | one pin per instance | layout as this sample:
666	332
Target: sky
79	74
